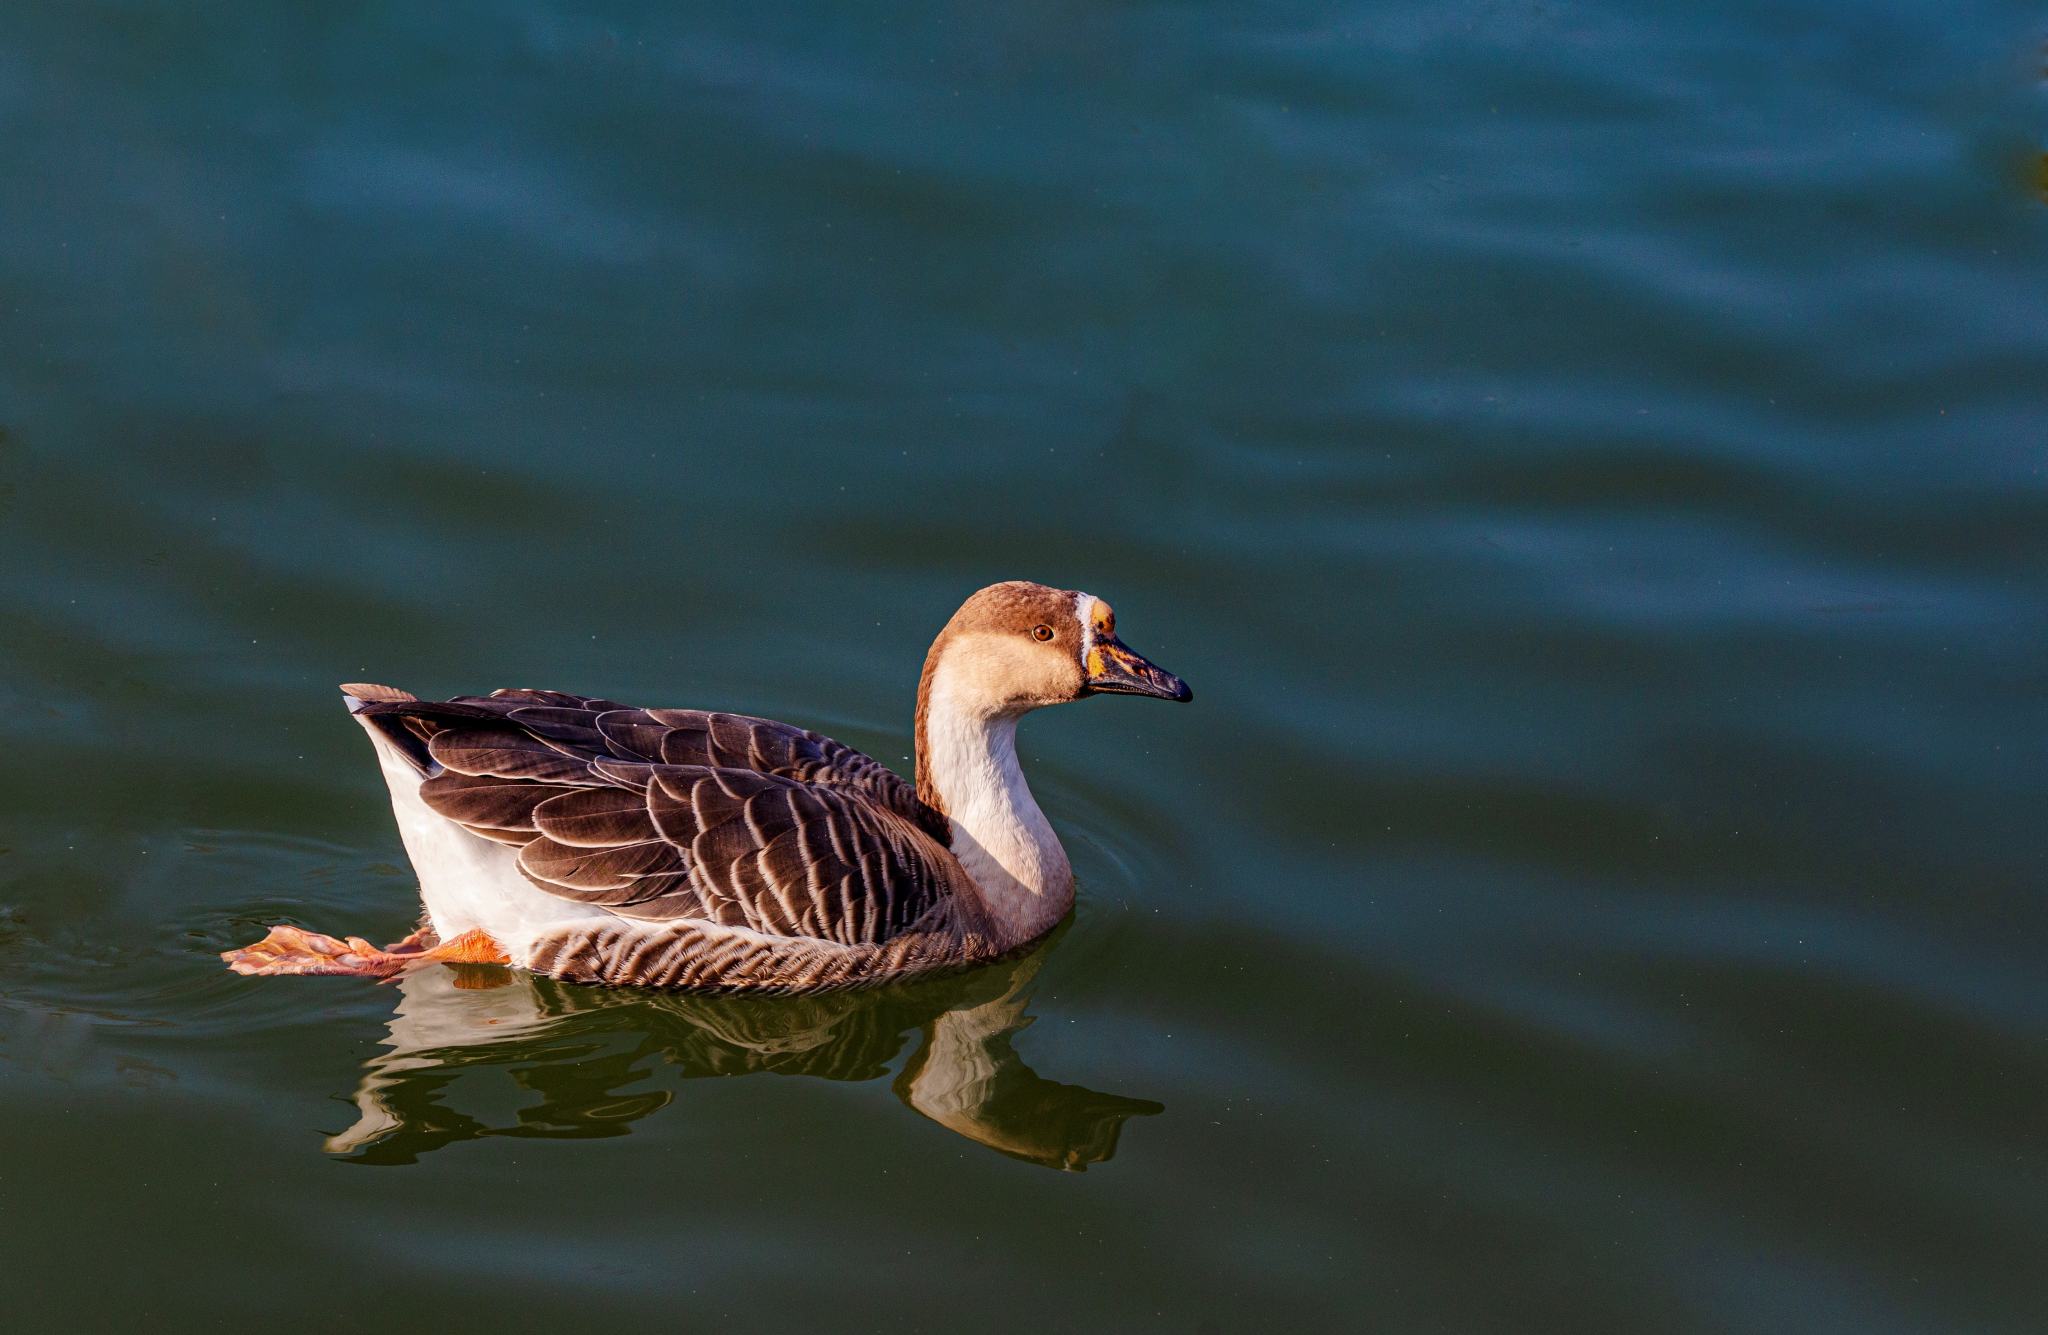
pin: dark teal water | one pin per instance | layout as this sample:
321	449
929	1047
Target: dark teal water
1591	461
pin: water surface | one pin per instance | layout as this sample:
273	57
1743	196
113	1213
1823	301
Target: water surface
1589	460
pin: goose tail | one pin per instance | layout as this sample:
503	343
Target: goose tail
385	728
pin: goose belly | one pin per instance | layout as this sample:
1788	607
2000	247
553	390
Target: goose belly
466	881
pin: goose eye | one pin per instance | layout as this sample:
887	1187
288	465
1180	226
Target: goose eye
1041	632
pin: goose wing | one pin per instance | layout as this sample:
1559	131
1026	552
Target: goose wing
796	838
590	728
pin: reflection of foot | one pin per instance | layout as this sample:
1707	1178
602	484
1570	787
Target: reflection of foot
294	950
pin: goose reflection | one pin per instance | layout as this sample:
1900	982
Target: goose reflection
577	1051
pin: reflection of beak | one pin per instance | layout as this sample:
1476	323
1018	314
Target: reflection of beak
1115	670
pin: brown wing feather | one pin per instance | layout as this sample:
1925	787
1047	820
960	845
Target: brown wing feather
486	801
506	753
595	817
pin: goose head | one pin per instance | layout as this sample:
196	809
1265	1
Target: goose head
1010	649
1018	646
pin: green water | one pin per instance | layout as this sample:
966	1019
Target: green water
1590	461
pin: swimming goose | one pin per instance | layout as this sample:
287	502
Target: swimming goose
591	841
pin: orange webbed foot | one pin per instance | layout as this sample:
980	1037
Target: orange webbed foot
293	950
473	947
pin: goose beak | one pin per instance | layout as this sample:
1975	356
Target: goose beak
1114	669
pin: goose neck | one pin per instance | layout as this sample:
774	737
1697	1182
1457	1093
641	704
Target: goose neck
968	770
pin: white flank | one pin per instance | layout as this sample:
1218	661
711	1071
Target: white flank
466	881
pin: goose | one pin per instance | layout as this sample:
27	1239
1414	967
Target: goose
590	841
